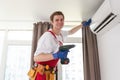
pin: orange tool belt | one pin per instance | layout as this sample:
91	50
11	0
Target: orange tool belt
41	72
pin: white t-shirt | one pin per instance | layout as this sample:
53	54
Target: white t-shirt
48	43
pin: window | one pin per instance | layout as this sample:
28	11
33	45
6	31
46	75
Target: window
17	54
77	34
18	62
2	35
15	49
20	35
74	70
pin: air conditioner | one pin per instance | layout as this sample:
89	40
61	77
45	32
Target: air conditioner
104	19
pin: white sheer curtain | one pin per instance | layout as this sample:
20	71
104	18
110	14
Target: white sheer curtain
18	54
74	70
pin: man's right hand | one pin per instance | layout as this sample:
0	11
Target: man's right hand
60	54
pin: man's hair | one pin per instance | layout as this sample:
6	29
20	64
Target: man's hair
56	13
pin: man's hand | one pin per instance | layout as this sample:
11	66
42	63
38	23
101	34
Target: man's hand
86	23
60	54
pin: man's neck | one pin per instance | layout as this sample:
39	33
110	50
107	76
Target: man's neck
57	32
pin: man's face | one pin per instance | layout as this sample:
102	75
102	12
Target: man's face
58	22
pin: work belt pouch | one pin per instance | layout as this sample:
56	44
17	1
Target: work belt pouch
50	73
31	72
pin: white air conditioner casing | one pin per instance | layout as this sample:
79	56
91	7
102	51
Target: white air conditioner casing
105	18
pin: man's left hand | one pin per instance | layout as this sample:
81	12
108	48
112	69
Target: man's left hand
87	23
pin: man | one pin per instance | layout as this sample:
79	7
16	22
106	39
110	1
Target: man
47	52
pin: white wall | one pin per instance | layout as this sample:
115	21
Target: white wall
109	53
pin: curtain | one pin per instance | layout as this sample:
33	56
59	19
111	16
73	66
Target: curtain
90	55
38	29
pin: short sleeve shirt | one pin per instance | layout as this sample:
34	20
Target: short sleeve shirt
48	43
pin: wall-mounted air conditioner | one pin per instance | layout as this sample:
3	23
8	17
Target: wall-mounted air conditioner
104	19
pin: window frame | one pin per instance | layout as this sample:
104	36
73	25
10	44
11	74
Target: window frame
25	42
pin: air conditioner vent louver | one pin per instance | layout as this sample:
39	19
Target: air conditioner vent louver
106	21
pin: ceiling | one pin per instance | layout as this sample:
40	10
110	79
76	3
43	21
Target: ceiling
36	10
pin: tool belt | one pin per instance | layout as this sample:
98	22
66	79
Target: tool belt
45	71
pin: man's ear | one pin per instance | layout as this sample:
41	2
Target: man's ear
51	23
